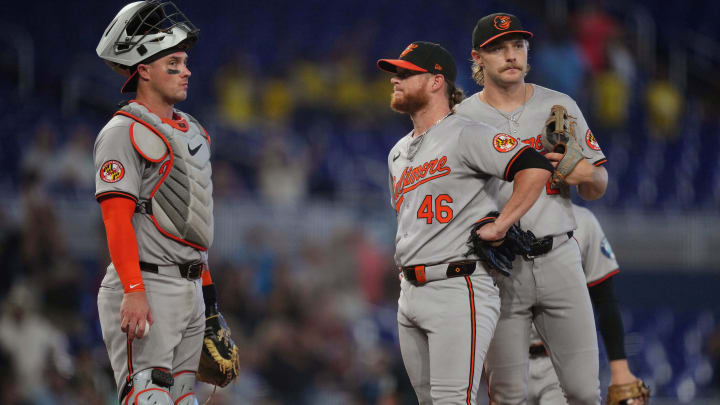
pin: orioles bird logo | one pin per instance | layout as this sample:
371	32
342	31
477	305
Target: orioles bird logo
409	49
502	22
591	142
504	142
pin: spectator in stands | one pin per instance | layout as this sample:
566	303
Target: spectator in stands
594	29
33	344
559	64
664	104
235	84
283	168
74	172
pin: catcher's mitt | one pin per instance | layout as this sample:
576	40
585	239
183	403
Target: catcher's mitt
500	257
559	137
219	362
634	393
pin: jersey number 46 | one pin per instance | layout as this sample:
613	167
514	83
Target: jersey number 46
443	213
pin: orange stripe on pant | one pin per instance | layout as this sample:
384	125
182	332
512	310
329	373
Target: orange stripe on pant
472	340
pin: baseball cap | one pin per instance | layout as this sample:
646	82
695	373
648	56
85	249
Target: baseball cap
496	25
422	56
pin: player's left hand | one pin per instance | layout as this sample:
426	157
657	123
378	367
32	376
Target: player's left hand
582	172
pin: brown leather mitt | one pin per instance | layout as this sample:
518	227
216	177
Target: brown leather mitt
634	393
559	137
219	361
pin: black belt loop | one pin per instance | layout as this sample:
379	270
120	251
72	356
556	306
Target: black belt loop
460	269
190	271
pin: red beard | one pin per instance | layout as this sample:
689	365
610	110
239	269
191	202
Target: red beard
409	102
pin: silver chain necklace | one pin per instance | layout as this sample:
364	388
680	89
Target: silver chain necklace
513	119
414	146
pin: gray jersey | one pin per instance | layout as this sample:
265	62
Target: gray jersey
598	259
551	214
438	187
121	170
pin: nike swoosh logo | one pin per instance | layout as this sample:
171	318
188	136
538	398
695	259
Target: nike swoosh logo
397	155
134	285
194	150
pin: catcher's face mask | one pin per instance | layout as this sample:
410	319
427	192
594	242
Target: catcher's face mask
142	30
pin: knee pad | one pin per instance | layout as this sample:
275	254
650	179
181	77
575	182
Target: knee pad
148	387
183	388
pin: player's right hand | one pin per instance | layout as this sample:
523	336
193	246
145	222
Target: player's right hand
134	311
493	233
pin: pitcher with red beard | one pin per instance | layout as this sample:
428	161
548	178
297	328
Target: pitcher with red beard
449	303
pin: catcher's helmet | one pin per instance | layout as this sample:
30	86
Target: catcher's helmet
142	32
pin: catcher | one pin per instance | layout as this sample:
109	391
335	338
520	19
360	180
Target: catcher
155	192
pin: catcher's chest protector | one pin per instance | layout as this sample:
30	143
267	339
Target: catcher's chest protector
181	204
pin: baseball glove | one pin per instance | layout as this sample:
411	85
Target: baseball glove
500	257
634	393
219	362
559	137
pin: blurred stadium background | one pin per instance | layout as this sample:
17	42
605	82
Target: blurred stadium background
298	114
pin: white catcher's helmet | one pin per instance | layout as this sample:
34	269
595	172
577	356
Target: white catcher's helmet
140	32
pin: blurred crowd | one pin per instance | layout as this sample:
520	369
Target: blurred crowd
315	319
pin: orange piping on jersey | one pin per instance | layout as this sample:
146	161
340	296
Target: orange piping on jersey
600	162
122	194
484	219
162	179
399	203
510	163
122	243
607	276
206	279
132	139
472	339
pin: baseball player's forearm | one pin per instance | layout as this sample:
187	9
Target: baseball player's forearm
117	213
527	186
609	320
594	184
